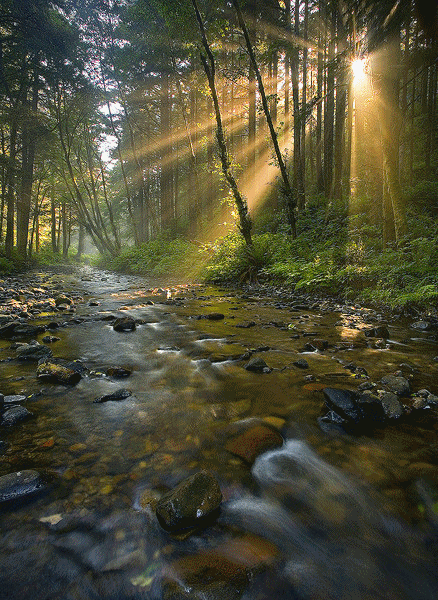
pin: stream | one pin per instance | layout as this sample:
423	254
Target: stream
323	515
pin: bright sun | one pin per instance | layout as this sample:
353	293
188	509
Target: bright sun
358	66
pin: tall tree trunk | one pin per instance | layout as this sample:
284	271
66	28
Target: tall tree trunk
10	189
319	93
210	70
286	187
302	196
295	59
252	96
329	113
166	183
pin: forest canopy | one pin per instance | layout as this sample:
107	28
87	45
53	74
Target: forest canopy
292	140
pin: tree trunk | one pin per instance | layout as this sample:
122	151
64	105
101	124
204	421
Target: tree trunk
166	183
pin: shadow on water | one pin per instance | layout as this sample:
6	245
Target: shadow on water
318	518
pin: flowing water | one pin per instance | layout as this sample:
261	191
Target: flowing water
321	517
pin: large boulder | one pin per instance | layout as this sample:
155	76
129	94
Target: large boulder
396	385
14	415
351	411
190	502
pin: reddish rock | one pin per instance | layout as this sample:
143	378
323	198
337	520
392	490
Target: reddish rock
255	440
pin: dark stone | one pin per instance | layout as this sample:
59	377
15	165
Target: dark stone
118	395
371	408
124	324
314	345
378	332
7	330
397	385
58	373
14	415
301	363
16	485
33	352
118	372
63	300
343	402
49	339
215	316
190	502
246	324
257	365
391	405
23	331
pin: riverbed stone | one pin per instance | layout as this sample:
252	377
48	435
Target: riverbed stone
257	365
252	439
301	363
117	395
343	403
62	299
13	399
33	352
58	373
391	405
190	502
118	372
15	415
380	331
17	485
124	324
396	385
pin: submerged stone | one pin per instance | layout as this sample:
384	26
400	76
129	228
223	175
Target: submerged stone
33	352
190	502
118	372
14	415
118	395
255	438
16	485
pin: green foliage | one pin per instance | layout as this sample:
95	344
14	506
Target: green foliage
6	266
342	257
157	258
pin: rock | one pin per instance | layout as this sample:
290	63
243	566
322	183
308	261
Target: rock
257	365
14	399
316	345
63	300
246	324
190	502
7	329
301	363
378	332
397	385
58	373
118	372
391	405
124	324
343	403
17	485
254	438
422	325
14	415
24	331
49	339
118	395
33	352
215	316
371	408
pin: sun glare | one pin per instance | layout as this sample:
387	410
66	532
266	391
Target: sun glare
358	67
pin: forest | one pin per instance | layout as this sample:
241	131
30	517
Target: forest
290	141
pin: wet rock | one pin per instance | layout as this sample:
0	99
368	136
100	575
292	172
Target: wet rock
316	345
422	325
118	372
397	385
377	332
58	373
24	331
246	324
391	405
7	329
15	415
17	485
14	399
33	352
3	447
301	363
124	324
63	300
343	403
190	502
118	395
257	365
220	573
371	408
50	339
215	316
254	438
